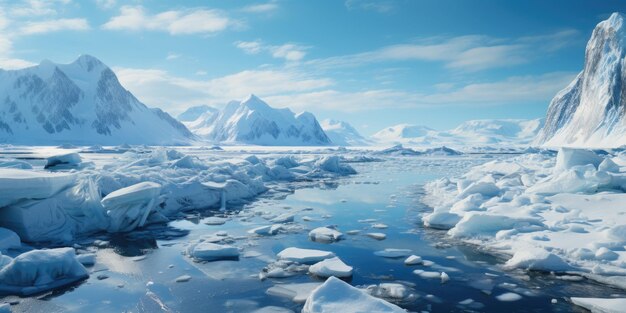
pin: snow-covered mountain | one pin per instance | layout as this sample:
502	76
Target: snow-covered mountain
401	133
343	134
591	111
509	132
193	113
79	103
252	121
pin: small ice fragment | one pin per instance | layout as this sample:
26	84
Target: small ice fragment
413	260
183	278
509	297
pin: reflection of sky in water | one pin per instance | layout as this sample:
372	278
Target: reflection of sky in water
234	286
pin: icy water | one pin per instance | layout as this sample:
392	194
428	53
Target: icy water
137	272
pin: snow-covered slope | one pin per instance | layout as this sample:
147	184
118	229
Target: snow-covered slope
193	113
510	132
401	133
80	103
252	121
343	134
591	111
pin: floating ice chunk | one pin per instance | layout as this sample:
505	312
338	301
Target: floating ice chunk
606	254
389	291
283	218
183	279
393	253
86	259
304	256
601	305
129	207
214	220
441	220
331	267
17	184
332	163
295	292
207	251
427	274
41	270
377	236
482	224
189	162
8	240
5	308
336	295
570	157
537	259
65	160
609	166
379	226
508	297
267	230
325	234
272	309
444	277
413	260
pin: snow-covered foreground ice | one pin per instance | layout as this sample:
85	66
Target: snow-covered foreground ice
563	212
153	267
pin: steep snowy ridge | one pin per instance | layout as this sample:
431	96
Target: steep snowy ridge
252	121
193	113
80	103
511	132
343	134
591	111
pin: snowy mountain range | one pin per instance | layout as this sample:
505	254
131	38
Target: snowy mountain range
79	103
193	113
343	134
509	132
591	111
252	121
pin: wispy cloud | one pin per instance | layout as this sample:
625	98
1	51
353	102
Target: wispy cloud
159	88
380	6
106	4
469	53
172	56
261	7
289	51
174	22
31	8
48	26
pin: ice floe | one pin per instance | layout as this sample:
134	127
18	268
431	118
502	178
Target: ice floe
331	267
304	256
336	295
325	234
601	305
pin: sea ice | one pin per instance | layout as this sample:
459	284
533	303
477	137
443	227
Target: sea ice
336	295
207	251
304	256
331	267
325	234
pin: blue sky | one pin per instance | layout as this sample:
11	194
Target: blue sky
371	63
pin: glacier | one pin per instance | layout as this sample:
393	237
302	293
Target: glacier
590	111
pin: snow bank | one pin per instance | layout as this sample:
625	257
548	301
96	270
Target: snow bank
41	270
548	213
336	295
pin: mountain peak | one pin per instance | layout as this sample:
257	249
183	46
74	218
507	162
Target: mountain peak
255	103
88	62
615	21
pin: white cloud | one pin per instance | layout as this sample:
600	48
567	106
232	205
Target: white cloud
261	8
106	4
289	51
41	27
159	88
31	8
469	53
172	56
175	22
249	47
